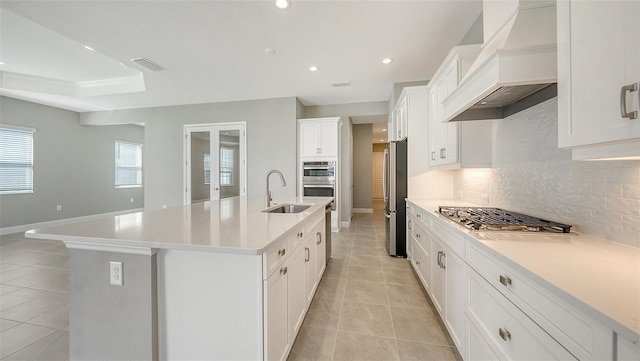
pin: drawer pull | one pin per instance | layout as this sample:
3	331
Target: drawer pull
418	215
283	270
506	281
319	237
623	101
282	252
417	235
307	256
409	224
300	235
504	334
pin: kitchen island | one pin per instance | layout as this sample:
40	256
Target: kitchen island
212	280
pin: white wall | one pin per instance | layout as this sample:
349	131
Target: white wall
74	166
271	142
531	175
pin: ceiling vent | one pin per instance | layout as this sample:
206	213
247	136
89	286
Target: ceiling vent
144	62
341	83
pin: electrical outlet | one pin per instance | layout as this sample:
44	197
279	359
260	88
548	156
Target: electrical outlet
59	207
116	274
131	200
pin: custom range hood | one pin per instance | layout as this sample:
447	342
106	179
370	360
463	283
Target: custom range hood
517	66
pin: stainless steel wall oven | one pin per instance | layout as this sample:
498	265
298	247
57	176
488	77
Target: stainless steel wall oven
319	179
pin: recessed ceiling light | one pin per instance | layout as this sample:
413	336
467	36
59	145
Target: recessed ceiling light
313	68
341	83
89	48
282	4
384	130
386	60
269	51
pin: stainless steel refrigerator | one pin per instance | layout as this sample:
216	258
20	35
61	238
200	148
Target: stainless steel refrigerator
395	193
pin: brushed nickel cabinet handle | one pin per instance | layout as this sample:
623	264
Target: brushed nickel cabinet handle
306	258
409	224
444	260
505	280
439	257
504	334
319	237
283	271
282	252
433	155
623	101
418	263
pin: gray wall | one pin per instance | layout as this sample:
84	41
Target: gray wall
271	142
362	166
475	34
346	111
73	166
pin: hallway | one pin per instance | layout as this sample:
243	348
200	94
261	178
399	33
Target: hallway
370	306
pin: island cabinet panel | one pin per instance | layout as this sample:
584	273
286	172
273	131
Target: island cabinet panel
210	305
296	291
93	301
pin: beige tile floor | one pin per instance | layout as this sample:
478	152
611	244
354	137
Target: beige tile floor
34	284
368	306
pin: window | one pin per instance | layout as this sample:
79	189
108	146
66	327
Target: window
226	166
128	165
207	168
16	160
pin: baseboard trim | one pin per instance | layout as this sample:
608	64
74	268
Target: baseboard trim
362	210
346	224
60	222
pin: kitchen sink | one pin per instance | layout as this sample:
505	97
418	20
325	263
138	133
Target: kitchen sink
288	208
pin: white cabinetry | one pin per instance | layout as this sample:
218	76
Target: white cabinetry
294	267
598	56
401	115
455	144
448	289
318	137
413	105
627	350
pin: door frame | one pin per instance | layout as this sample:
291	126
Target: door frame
213	128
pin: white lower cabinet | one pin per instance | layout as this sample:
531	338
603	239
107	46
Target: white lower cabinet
289	289
448	290
492	310
507	330
276	316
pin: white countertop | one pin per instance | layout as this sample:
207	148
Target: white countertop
231	225
600	277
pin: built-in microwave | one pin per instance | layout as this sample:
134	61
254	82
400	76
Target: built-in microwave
319	172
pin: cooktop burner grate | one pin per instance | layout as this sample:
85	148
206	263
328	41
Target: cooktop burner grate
499	219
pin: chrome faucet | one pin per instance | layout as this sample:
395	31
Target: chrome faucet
268	198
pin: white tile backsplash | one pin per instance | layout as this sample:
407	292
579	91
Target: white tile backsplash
531	175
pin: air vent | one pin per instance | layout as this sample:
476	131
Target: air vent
341	83
148	64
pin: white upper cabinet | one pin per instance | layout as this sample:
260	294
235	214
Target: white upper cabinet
401	115
413	104
598	70
447	148
319	137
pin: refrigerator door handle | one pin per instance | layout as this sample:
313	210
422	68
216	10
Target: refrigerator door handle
387	215
385	169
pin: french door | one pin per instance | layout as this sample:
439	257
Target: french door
215	161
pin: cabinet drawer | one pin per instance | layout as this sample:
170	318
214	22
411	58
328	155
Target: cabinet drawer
295	239
450	239
422	217
507	330
422	264
275	255
421	236
574	330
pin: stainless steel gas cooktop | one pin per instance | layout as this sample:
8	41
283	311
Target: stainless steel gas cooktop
496	219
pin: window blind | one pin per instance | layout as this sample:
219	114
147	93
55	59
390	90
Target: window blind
16	160
128	165
226	166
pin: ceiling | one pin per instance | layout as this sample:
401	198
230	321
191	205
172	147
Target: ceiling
215	51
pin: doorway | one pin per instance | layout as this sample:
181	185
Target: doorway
215	161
